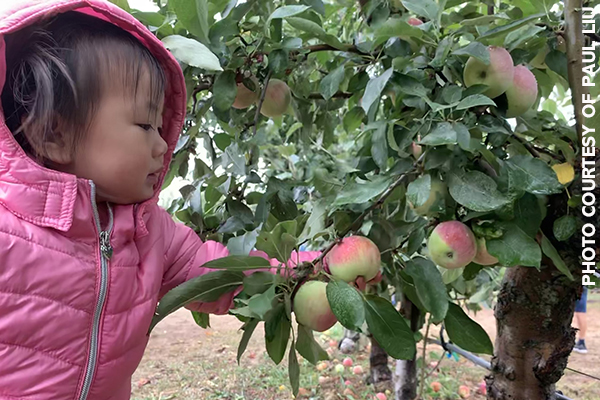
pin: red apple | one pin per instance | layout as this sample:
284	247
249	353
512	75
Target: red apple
347	362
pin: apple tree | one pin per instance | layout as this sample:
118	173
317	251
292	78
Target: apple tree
431	128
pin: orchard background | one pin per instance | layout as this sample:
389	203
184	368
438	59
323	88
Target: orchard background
313	120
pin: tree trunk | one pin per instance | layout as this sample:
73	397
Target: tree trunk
378	362
406	370
349	342
534	334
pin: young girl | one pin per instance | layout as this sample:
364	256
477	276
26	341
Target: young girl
92	106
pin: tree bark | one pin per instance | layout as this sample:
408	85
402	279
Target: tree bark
406	384
378	362
534	334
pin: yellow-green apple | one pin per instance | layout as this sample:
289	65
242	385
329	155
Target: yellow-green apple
312	307
245	97
497	75
522	94
452	245
277	99
353	257
483	257
436	197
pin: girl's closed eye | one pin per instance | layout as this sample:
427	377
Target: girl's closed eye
145	127
148	127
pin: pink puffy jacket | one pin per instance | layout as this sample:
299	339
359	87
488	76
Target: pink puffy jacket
73	322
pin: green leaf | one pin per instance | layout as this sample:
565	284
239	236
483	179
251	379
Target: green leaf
277	333
476	191
441	52
353	119
374	89
308	347
294	370
430	287
475	49
286	11
515	248
224	90
475	100
379	147
442	134
280	242
564	227
424	8
233	159
395	27
248	329
510	27
419	190
193	15
317	31
201	319
262	303
258	282
205	288
389	328
346	305
316	221
551	252
528	215
192	52
242	245
466	333
533	175
238	263
557	62
357	193
331	83
122	4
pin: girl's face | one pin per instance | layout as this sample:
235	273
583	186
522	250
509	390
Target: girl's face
123	151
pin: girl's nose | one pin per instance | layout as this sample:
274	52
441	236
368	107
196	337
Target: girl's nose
160	147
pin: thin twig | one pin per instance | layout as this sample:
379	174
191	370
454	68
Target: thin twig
436	366
261	100
583	373
422	383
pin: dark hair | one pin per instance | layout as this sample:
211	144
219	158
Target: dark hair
57	72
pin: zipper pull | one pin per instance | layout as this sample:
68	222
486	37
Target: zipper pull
105	247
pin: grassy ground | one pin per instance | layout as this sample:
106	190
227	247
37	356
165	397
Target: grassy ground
186	362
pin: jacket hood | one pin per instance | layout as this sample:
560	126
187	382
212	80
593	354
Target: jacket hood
51	195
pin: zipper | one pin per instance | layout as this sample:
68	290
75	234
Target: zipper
105	250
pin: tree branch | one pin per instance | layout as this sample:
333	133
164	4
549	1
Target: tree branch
528	146
574	40
325	47
338	95
261	100
366	212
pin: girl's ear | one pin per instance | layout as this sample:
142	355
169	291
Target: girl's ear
57	152
50	146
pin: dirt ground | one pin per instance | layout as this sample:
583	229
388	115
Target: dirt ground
183	361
